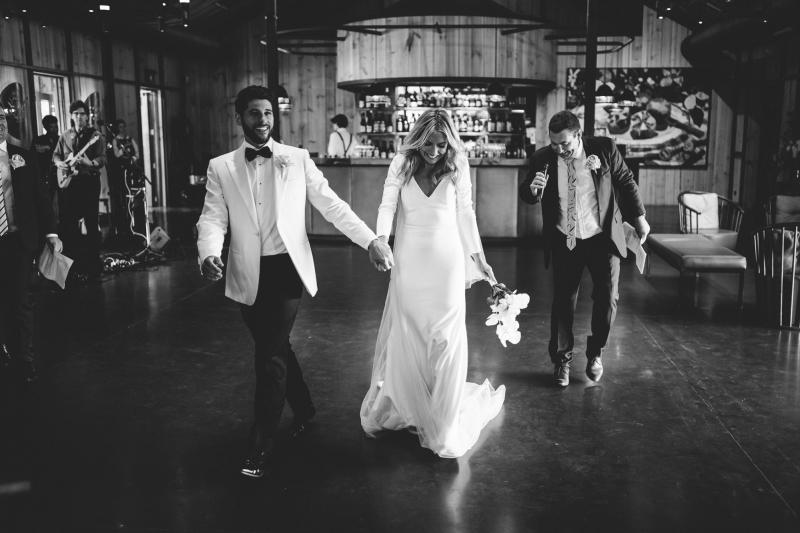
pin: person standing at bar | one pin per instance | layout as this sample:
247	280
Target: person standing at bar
586	191
258	193
340	143
26	221
80	199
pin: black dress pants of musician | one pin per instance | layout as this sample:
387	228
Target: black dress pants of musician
278	375
80	200
16	307
598	255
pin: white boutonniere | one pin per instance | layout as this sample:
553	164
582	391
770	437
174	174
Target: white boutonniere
283	161
593	162
17	161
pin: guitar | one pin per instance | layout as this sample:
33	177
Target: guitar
66	170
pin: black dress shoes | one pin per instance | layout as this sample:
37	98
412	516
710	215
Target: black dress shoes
255	464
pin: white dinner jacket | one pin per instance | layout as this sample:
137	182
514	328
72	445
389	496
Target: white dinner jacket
229	205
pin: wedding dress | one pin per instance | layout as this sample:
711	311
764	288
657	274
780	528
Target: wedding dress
420	365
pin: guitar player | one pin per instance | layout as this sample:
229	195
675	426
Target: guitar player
81	197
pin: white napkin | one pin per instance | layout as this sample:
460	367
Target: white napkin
634	245
54	266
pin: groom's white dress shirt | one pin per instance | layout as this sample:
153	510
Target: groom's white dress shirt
261	173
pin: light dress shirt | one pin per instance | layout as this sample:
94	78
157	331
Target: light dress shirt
261	176
587	211
339	146
6	186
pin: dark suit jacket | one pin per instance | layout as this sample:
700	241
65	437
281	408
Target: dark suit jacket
617	193
33	212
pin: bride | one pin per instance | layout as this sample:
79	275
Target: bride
420	366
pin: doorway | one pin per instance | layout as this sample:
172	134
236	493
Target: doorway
51	99
151	108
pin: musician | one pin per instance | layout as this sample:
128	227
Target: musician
125	156
80	198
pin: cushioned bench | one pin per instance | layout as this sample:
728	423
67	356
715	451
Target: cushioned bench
693	253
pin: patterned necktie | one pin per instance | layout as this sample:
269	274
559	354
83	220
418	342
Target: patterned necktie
571	210
3	214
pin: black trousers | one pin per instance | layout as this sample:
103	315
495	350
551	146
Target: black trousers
81	201
599	256
270	320
16	306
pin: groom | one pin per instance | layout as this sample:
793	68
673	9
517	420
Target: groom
258	192
586	191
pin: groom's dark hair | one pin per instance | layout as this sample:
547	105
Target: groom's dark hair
564	120
250	93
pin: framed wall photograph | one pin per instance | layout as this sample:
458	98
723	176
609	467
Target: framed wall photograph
659	117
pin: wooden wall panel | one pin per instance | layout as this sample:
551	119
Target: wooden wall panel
48	46
148	71
453	52
123	59
87	54
173	73
12	41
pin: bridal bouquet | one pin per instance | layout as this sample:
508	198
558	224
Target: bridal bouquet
506	305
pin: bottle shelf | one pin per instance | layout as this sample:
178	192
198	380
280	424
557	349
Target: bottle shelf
476	108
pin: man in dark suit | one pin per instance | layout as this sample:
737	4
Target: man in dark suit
26	220
586	191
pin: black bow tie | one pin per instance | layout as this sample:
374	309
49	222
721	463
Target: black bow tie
251	153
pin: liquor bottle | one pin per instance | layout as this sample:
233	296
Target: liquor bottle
363	123
370	124
391	153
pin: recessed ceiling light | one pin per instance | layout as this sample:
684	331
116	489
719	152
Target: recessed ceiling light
700	21
105	7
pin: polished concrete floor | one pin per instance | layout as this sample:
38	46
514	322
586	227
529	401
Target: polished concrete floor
139	419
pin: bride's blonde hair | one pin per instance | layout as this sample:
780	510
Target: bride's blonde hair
430	122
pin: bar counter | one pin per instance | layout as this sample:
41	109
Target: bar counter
498	209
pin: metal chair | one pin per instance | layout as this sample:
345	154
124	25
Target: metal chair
775	253
711	215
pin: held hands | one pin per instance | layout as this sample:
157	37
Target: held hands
538	183
380	254
211	269
642	228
